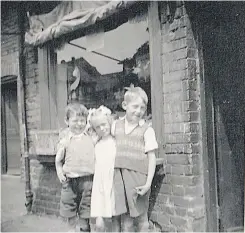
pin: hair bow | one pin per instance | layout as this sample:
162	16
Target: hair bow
104	110
91	111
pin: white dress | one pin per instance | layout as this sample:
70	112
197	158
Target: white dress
102	200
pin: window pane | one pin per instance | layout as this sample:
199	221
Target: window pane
107	62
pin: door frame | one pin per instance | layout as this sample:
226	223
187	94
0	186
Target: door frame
209	145
4	157
9	79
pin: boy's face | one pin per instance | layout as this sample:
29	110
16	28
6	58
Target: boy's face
77	124
135	109
102	126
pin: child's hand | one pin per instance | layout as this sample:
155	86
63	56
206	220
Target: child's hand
61	177
142	190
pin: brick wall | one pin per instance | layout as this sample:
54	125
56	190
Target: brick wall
46	188
32	97
44	182
9	23
180	203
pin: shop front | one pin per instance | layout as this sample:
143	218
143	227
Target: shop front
91	51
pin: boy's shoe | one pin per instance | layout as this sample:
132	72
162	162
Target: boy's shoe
82	230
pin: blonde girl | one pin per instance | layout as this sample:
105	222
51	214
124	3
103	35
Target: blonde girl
102	200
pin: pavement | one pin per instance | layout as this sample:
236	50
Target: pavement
14	217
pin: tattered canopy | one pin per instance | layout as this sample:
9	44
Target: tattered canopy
68	17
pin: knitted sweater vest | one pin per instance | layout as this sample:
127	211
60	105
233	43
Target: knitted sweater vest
131	148
79	156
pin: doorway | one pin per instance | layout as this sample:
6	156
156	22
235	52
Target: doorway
223	54
10	152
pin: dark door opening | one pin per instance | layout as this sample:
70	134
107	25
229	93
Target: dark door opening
11	154
223	53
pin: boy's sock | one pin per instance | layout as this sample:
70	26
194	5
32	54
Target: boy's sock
84	225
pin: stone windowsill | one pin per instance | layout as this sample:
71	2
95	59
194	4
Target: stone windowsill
51	159
44	146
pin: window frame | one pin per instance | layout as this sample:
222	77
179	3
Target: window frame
50	111
47	87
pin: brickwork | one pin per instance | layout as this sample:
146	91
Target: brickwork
44	183
32	96
9	43
180	202
46	187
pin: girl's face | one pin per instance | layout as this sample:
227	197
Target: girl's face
102	126
77	124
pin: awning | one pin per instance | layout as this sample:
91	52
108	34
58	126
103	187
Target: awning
68	17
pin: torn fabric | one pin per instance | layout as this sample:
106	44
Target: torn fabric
68	17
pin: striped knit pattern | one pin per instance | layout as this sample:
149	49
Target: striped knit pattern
79	156
131	148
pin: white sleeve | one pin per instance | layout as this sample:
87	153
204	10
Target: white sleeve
113	128
150	140
62	144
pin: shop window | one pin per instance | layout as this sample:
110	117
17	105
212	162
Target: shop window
104	63
96	68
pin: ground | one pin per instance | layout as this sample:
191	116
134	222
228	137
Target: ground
13	212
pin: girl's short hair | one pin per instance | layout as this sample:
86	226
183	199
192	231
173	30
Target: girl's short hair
76	109
133	92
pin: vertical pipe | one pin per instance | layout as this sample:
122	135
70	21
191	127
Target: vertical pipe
25	152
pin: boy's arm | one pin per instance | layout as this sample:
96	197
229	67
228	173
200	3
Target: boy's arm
150	146
142	190
151	168
59	163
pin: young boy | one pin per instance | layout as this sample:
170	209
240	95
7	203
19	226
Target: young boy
75	168
135	161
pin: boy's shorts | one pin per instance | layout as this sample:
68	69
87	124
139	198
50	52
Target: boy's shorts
76	197
125	182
